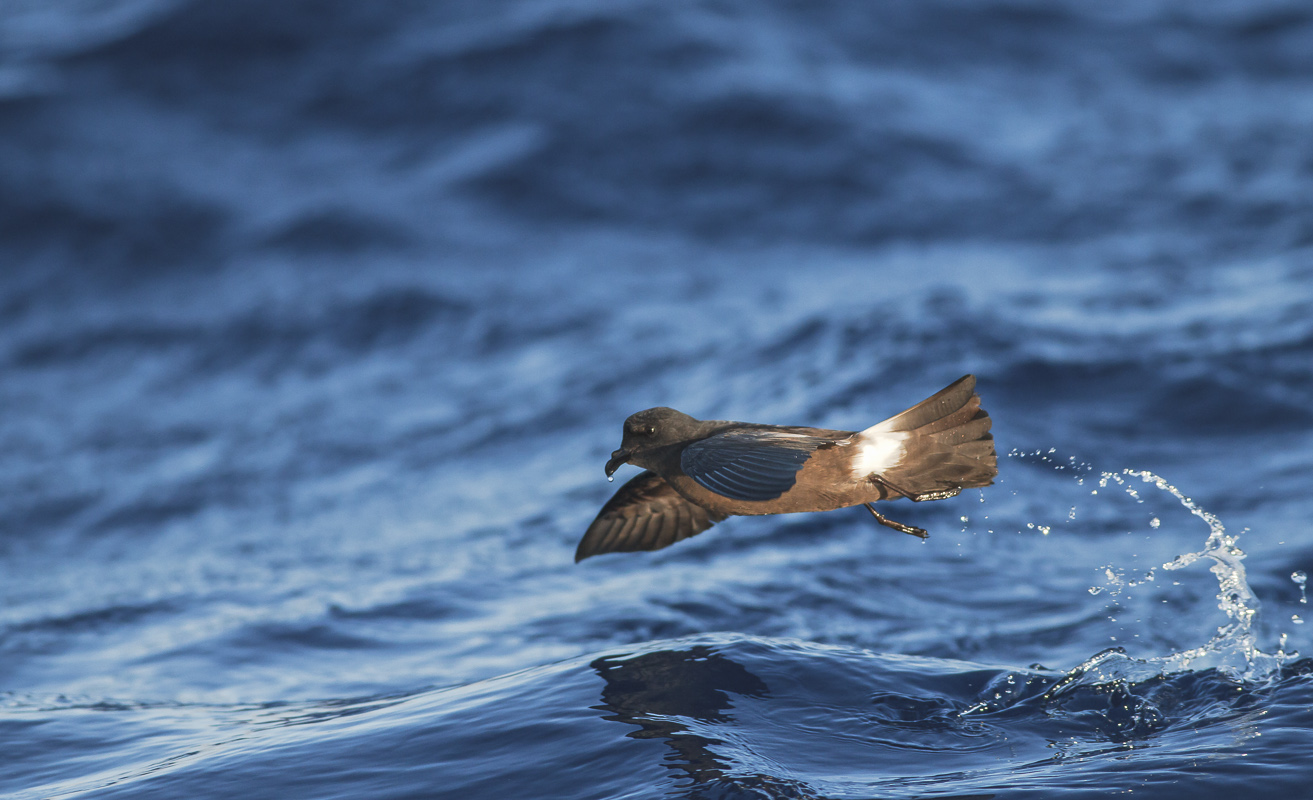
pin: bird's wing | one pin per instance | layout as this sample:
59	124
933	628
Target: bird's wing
645	514
749	463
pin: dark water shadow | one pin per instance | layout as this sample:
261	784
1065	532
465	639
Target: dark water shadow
674	694
651	690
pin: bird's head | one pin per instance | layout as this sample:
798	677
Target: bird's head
646	431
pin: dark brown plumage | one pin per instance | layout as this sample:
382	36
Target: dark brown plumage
699	472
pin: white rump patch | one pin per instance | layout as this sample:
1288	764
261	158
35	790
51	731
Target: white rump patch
878	450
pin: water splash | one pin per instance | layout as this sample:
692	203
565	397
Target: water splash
1234	648
1107	668
1233	651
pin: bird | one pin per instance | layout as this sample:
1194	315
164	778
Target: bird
698	472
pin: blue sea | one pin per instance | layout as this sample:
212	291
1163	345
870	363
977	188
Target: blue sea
319	320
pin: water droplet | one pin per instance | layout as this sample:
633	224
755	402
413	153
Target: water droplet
1295	618
1300	577
610	479
1155	523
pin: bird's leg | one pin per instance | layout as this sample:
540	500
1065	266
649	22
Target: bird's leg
916	498
898	526
942	494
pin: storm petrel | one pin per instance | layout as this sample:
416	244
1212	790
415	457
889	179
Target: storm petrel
699	472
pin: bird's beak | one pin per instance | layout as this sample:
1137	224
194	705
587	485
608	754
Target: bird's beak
619	457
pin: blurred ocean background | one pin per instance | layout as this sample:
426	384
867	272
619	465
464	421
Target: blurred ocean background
318	321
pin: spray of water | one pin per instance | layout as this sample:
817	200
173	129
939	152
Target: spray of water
1233	650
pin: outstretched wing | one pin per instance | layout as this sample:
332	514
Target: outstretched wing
749	463
645	514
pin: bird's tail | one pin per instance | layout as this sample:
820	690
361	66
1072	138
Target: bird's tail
945	445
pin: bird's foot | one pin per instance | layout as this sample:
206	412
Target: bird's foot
942	494
911	530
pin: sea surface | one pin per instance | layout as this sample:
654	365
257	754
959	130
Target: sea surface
318	321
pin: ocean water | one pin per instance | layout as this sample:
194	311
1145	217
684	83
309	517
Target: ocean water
319	320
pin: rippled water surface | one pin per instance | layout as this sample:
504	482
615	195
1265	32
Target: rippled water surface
318	322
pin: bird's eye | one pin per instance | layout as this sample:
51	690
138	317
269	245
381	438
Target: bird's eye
649	430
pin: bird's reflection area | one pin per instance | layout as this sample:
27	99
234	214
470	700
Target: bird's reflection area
676	695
